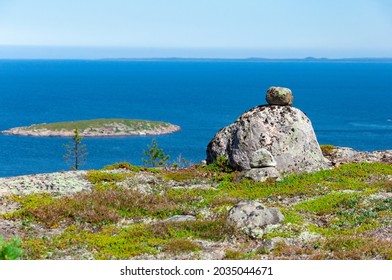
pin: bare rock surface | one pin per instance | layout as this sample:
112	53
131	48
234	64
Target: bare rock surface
58	182
284	131
180	218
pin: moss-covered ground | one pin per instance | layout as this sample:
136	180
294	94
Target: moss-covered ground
342	213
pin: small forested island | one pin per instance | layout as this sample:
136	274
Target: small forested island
96	128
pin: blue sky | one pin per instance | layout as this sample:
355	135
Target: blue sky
195	28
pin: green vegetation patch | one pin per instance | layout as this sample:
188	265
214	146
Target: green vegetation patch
184	174
125	165
327	149
178	246
330	203
134	125
346	214
134	240
97	176
348	247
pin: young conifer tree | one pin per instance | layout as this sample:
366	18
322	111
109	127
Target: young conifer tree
76	151
155	156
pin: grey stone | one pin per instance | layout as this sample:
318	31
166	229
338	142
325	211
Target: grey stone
284	131
262	158
180	218
253	217
262	174
279	96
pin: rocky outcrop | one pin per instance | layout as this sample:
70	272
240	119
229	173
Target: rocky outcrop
341	155
253	217
284	131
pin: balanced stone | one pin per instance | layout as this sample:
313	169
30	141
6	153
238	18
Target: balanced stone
262	158
279	96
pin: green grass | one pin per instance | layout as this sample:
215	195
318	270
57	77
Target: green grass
134	125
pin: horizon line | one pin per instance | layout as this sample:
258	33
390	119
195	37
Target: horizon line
179	58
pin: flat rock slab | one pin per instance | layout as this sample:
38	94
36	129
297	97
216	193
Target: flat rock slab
180	218
58	182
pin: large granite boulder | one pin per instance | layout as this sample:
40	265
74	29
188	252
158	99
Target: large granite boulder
284	131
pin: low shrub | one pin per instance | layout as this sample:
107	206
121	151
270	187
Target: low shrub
96	176
221	164
327	149
178	246
184	174
123	165
101	207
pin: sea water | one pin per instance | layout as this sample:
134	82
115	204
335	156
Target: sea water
349	104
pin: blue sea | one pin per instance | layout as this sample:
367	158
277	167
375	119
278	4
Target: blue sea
349	104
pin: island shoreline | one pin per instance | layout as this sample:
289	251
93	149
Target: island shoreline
111	129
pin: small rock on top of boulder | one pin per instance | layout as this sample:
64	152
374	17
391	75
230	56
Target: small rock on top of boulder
279	96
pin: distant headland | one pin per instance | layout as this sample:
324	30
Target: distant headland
96	128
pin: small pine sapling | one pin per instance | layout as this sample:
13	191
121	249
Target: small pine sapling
155	155
10	250
76	151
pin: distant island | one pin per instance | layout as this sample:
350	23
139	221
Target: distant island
259	59
96	128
